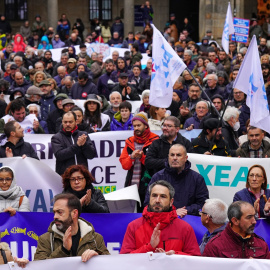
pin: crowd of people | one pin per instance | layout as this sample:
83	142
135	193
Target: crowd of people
42	92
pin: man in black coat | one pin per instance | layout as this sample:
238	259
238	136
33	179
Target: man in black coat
158	151
71	146
15	145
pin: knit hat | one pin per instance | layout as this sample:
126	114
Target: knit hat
178	92
141	116
210	124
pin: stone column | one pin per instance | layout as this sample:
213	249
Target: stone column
128	16
52	10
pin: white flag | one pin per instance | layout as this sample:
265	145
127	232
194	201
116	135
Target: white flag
166	68
228	29
250	81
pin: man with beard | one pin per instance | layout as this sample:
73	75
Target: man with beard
102	84
263	49
132	157
115	100
256	146
159	230
190	188
265	72
69	235
158	151
210	140
238	240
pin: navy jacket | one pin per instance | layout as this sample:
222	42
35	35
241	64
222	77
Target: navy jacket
102	85
81	92
190	188
47	106
248	196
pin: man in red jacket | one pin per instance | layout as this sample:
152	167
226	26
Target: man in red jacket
238	239
133	155
160	229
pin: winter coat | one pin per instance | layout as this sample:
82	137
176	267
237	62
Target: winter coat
135	58
176	234
52	118
211	92
47	105
119	28
158	152
26	84
21	148
47	46
116	123
190	187
248	196
194	120
243	150
89	240
202	145
58	44
243	117
67	152
106	34
19	46
102	85
155	124
13	196
230	136
81	92
229	244
128	163
97	204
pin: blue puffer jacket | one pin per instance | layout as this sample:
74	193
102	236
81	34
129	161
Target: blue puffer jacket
190	188
117	125
46	46
248	196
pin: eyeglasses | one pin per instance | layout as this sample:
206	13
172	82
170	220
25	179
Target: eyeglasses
204	213
74	179
167	126
2	180
255	175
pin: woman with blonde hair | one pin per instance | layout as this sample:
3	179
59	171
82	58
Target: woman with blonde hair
39	77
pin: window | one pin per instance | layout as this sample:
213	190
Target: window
16	10
100	9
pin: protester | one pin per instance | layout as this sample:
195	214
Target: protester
77	180
157	118
256	192
12	197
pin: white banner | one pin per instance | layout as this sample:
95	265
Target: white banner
39	182
148	261
223	176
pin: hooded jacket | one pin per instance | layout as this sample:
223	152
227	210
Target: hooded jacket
190	187
50	243
19	46
115	74
116	123
48	46
176	234
12	197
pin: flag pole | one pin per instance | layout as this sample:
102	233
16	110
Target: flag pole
211	103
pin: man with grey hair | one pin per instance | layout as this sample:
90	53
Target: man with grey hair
212	88
190	187
213	217
115	100
67	84
63	62
187	59
238	239
159	230
19	62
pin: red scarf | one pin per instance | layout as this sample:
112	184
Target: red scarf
143	138
164	218
72	131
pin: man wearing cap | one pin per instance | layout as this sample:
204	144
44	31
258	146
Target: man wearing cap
33	95
19	81
55	114
210	140
127	90
13	69
133	155
67	105
82	88
71	146
47	99
61	71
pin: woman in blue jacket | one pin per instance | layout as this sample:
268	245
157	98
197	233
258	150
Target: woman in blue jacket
44	45
256	191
